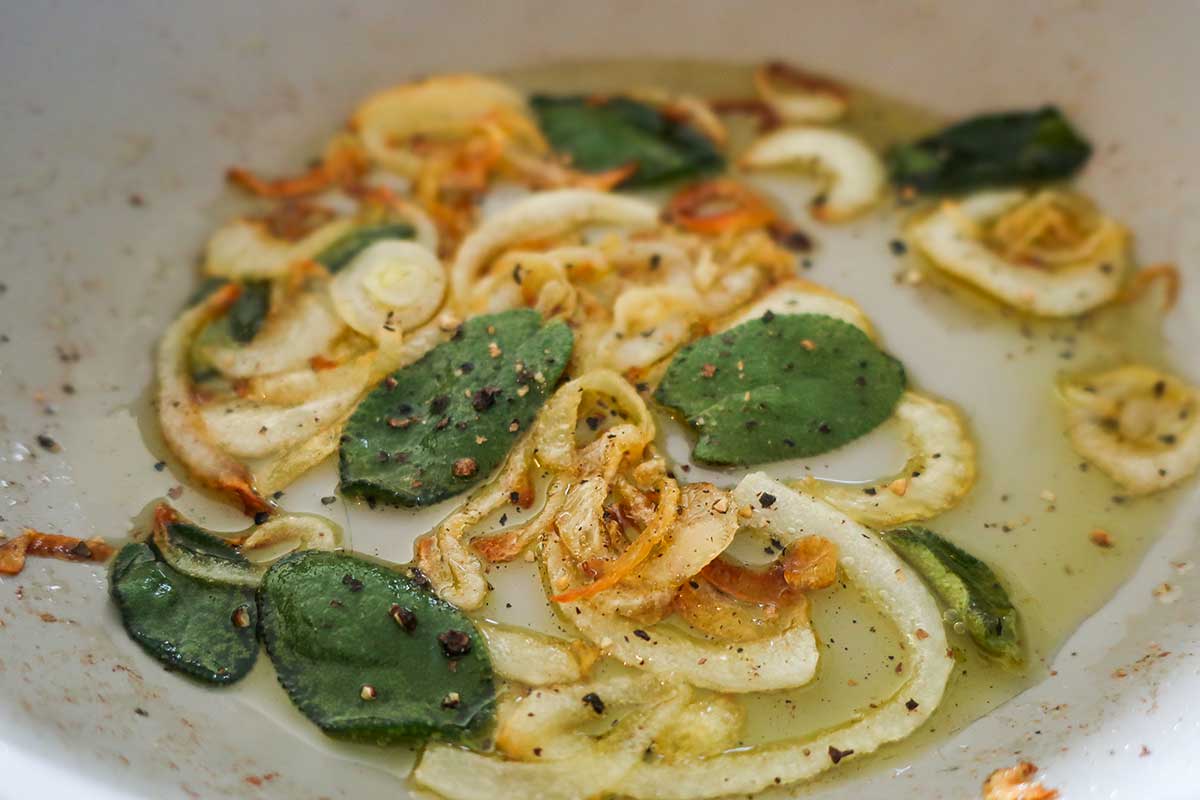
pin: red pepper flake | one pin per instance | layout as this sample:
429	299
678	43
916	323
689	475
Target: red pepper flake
48	444
708	370
1101	538
455	644
241	617
465	467
514	426
390	383
399	422
836	755
404	617
353	583
175	492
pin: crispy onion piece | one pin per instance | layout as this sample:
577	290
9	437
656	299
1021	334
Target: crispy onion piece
705	527
437	108
685	108
342	163
896	589
798	96
1137	424
779	662
1028	251
541	216
49	545
709	610
300	326
854	172
245	249
649	324
537	279
719	206
798	296
939	472
391	286
459	774
534	659
179	415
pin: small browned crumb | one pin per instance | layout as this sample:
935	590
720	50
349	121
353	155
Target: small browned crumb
368	692
922	633
175	492
1145	751
708	370
494	350
898	487
49	545
808	344
241	617
399	422
721	506
1012	783
1101	538
465	467
480	439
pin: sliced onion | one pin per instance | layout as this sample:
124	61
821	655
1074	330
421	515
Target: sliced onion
649	324
437	108
938	473
727	619
459	774
703	728
955	239
245	249
392	286
896	590
521	655
854	172
798	296
179	416
541	216
1137	424
300	326
798	96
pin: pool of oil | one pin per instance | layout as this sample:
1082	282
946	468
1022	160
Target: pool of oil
1028	516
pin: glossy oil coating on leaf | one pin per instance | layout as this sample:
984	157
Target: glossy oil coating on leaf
781	386
343	251
438	427
367	654
992	150
203	629
248	312
966	585
606	134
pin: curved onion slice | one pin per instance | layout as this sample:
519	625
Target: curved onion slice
785	661
542	216
956	239
521	655
458	774
798	96
1140	426
179	416
649	323
939	472
855	173
710	610
299	327
391	286
704	728
798	296
703	530
244	249
896	589
441	107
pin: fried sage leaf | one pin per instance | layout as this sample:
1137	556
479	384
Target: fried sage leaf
368	654
438	427
608	133
781	386
992	150
968	586
203	629
343	250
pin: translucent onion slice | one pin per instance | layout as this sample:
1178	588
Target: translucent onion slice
797	96
704	727
939	472
179	416
521	655
541	216
725	618
438	108
896	589
390	287
459	774
798	296
782	662
954	238
247	428
1137	424
300	326
703	530
244	249
854	172
649	324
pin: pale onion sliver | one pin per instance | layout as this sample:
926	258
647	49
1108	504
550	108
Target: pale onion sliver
392	286
821	103
1139	469
245	250
534	659
939	471
541	216
950	237
896	589
854	171
798	296
304	327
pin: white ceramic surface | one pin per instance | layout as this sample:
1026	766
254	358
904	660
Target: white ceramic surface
101	101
